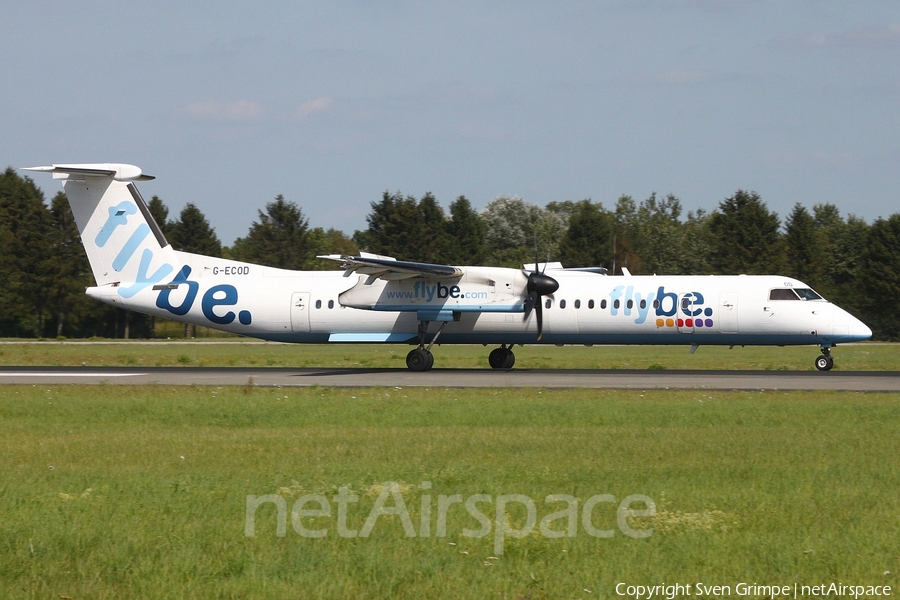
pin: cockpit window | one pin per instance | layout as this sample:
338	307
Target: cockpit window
793	294
807	294
782	294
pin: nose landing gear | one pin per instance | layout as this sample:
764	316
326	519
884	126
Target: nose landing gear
825	361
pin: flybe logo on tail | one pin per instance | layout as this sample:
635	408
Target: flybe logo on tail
688	311
118	216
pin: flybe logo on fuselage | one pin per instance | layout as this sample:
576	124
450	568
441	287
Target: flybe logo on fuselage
437	291
223	295
218	295
669	309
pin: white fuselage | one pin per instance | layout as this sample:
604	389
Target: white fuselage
485	307
379	299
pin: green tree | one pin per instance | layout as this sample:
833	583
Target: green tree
841	246
657	236
467	234
745	236
193	233
393	227
548	233
625	232
803	248
67	268
564	209
25	239
160	213
407	229
331	241
512	228
880	277
696	244
435	245
278	239
588	240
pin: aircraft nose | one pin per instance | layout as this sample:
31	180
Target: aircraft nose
858	330
847	328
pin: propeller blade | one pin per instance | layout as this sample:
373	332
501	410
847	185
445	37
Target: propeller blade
538	285
539	315
530	301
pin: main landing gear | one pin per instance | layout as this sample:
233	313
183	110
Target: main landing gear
825	361
421	358
502	357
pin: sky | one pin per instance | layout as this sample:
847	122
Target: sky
333	103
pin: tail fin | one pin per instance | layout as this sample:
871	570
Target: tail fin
124	245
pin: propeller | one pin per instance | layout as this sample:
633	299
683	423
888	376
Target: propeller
538	285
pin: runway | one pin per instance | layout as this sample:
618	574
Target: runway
861	381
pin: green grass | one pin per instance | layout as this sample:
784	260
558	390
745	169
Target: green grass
140	492
853	357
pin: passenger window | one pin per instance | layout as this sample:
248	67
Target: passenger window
548	303
578	304
331	304
590	304
630	304
318	304
616	304
562	304
643	304
603	304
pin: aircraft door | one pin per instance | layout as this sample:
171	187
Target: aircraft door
300	312
728	312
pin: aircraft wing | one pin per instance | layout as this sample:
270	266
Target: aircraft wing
383	267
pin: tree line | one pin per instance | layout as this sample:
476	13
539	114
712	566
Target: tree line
849	261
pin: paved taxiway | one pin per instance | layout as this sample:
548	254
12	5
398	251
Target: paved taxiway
864	381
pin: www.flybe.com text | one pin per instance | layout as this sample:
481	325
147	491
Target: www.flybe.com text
438	290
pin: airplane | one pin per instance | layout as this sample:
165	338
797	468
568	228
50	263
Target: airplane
378	299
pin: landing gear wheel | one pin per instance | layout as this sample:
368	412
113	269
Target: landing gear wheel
824	362
497	357
501	358
419	359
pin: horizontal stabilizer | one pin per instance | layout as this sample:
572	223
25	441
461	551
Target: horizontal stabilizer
119	172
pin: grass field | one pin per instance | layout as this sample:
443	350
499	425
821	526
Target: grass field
852	357
118	492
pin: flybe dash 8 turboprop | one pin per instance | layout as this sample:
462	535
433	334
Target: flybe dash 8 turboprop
380	299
